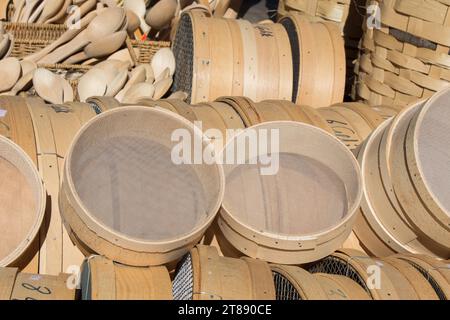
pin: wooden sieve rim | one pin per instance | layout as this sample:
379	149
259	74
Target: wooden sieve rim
117	238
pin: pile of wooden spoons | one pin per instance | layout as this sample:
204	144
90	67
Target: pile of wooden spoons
55	11
99	35
15	75
112	78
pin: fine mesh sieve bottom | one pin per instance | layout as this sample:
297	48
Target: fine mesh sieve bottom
183	49
284	289
289	25
131	185
305	196
432	150
17	207
183	284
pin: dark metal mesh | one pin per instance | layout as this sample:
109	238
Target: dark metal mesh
183	284
183	49
429	278
284	289
412	39
289	25
338	266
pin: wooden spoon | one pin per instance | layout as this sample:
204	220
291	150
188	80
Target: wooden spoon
4	45
67	91
61	13
179	95
93	83
163	75
24	83
101	26
139	8
100	48
27	66
138	75
124	55
10	71
138	91
133	22
50	10
161	14
28	9
149	75
163	59
48	86
162	87
117	84
4	9
64	38
36	13
18	8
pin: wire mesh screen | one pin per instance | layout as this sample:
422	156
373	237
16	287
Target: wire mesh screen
430	280
335	265
183	49
295	47
284	289
183	284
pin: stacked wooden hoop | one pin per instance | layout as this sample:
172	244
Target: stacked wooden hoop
45	133
404	277
404	209
204	275
206	71
344	275
103	279
134	219
349	122
407	59
23	286
344	13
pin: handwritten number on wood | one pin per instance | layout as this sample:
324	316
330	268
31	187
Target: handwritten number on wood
41	290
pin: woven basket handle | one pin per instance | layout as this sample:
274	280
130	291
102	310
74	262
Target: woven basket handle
134	59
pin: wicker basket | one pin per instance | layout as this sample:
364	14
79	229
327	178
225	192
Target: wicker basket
408	58
32	37
32	31
331	10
